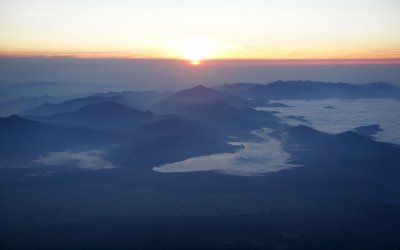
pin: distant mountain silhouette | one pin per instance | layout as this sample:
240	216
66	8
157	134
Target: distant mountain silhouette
10	91
368	130
312	146
141	100
171	139
240	102
21	137
312	138
102	115
227	118
172	124
193	96
382	89
200	92
67	106
110	108
132	99
344	165
313	90
19	105
237	87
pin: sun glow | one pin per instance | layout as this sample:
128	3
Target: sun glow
196	49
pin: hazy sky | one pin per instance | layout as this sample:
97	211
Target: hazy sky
201	29
164	74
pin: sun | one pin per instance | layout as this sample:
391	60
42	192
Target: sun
196	49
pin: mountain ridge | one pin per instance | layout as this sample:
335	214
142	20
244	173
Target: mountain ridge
312	90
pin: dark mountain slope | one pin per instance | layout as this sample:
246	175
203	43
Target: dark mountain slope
230	119
104	115
132	99
17	106
346	165
22	137
171	139
193	96
68	106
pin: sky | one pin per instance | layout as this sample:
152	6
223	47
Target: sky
202	29
170	74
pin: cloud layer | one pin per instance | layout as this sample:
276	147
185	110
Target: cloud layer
256	158
92	160
344	115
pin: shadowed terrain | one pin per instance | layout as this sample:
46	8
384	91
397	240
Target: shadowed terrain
198	169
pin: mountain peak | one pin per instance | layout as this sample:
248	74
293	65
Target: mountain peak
200	87
15	121
13	118
201	91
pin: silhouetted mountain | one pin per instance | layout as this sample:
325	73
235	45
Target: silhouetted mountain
315	90
240	102
17	106
345	144
67	106
228	119
382	89
200	92
10	91
237	87
307	90
141	100
347	166
133	99
21	137
102	115
347	151
338	175
368	130
193	96
172	124
169	140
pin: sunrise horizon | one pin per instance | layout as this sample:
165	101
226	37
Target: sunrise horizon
201	31
122	56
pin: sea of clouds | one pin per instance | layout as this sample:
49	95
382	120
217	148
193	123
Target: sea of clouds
339	115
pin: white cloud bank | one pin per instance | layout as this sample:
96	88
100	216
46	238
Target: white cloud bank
91	160
346	115
256	158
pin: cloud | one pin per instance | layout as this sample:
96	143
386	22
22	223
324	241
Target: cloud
92	160
347	115
256	158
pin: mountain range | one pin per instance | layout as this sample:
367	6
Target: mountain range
312	90
79	170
